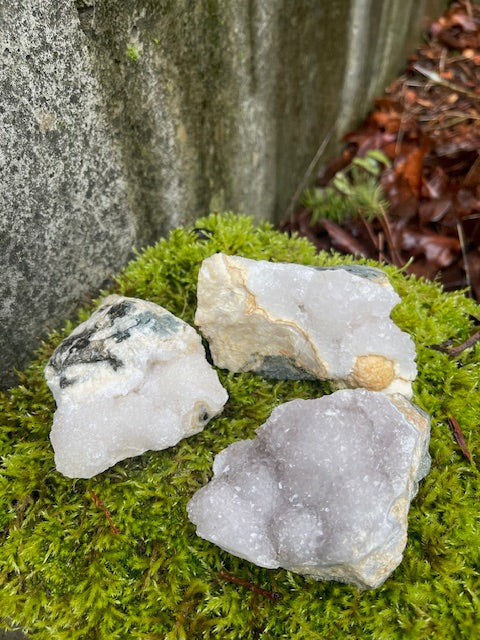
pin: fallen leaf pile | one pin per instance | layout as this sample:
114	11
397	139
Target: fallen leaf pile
428	125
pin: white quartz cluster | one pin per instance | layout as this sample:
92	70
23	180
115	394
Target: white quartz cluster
293	321
323	490
133	377
325	487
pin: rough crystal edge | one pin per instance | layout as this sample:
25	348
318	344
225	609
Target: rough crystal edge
363	271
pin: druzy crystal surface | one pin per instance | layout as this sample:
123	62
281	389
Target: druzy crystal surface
294	321
132	377
323	490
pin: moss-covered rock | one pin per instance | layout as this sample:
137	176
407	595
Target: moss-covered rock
66	573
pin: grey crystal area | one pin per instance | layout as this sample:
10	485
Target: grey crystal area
323	490
363	271
133	377
280	367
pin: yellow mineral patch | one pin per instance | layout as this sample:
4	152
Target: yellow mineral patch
373	372
181	134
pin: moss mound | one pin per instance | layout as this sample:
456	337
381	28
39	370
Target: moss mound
65	572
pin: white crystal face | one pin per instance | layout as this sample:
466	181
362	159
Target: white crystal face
294	321
133	377
324	489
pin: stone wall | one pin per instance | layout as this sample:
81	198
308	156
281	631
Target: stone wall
120	120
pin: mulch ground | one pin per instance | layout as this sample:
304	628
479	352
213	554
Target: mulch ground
428	124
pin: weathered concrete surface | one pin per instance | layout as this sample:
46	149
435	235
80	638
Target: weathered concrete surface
65	221
12	635
120	120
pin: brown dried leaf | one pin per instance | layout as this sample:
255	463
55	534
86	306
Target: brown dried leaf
435	185
411	169
343	240
434	210
466	202
473	264
421	268
441	251
369	138
473	176
464	21
389	121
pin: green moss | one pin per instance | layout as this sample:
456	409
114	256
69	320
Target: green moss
64	574
132	53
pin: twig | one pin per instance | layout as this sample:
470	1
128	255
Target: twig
405	113
461	237
456	351
448	124
443	58
447	112
342	239
383	219
381	246
272	595
468	7
306	176
371	235
473	175
102	506
434	77
460	438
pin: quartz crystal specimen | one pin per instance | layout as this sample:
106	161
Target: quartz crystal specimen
293	321
323	490
132	377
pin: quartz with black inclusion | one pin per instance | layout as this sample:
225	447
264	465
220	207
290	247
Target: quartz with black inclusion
323	490
132	377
